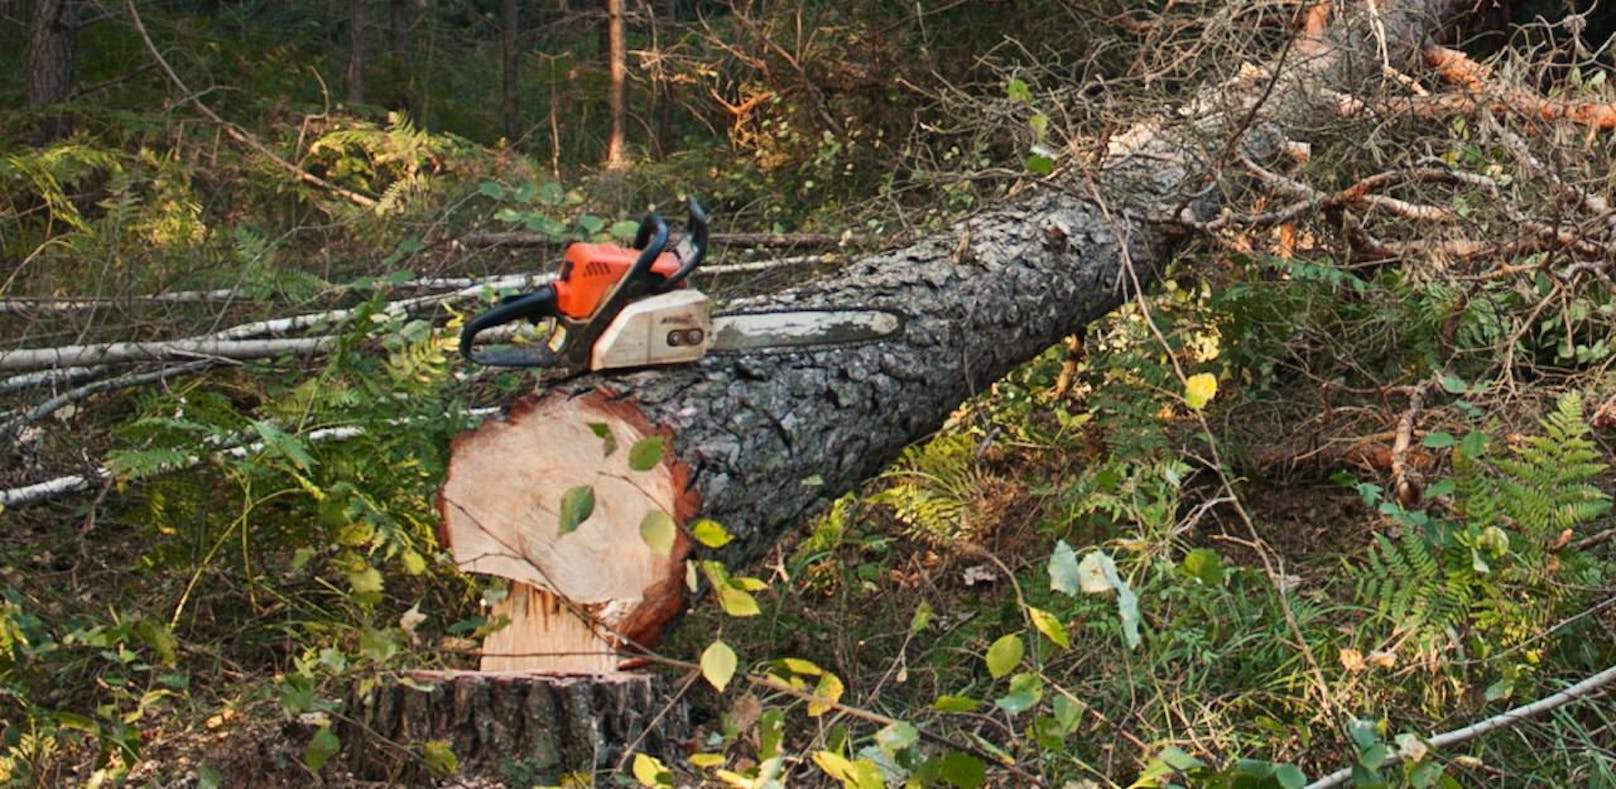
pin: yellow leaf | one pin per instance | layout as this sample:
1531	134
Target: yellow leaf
829	690
1200	389
718	664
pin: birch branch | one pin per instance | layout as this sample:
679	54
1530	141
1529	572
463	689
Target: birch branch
124	352
1587	687
9	429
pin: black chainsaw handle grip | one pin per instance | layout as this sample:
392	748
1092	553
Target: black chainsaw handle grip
652	237
535	306
696	232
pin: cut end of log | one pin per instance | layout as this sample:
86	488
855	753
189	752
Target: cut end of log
579	595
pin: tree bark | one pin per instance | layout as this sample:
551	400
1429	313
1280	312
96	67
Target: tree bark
546	727
48	60
508	53
356	52
617	65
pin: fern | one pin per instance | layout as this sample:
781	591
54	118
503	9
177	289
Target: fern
936	489
1491	574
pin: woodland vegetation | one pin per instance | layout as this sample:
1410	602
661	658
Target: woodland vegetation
1319	495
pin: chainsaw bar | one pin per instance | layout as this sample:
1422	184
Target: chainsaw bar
797	329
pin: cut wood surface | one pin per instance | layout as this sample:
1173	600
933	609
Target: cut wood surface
502	505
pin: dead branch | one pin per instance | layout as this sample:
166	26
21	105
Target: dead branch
1405	482
9	429
1585	688
237	133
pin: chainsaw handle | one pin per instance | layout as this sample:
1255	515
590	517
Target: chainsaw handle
535	306
652	238
696	232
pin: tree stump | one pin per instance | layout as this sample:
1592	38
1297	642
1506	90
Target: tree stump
521	727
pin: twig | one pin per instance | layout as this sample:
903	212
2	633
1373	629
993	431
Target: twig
237	133
9	429
1575	692
1404	482
65	375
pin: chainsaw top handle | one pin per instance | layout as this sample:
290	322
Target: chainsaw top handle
696	235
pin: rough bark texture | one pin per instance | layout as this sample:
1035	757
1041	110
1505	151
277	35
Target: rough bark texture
541	728
48	59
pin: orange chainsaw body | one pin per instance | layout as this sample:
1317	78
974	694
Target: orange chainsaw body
590	271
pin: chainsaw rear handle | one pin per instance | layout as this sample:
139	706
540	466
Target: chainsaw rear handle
533	307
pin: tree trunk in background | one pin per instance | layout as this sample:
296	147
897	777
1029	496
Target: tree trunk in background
398	32
616	30
356	52
507	48
48	60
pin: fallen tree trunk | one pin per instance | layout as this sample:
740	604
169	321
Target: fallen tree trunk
765	439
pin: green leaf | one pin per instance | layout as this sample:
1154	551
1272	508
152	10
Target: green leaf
1005	655
922	617
710	533
1068	712
1204	565
1439	440
659	533
1050	625
624	230
718	664
208	778
492	190
897	736
646	453
379	645
577	504
284	444
1099	574
961	770
1453	384
440	759
608	439
591	224
1038	164
1063	575
1474	443
322	746
1026	690
737	602
1018	90
946	703
1290	776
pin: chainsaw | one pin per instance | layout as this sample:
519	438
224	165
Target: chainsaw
612	307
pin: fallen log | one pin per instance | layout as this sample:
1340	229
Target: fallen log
760	440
